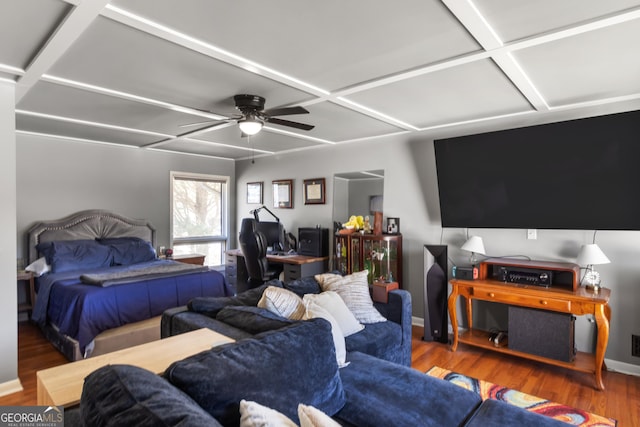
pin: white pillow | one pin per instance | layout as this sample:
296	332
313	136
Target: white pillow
314	417
253	414
282	302
39	267
354	290
333	303
313	311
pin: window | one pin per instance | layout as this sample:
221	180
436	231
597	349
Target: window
199	212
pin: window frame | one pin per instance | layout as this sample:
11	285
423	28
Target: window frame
191	176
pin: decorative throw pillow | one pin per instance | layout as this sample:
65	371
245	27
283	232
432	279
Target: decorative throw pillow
313	417
333	303
282	302
354	290
253	414
314	311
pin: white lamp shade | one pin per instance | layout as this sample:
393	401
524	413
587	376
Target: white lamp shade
250	126
591	255
474	244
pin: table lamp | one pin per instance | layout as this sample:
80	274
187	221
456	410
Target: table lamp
589	256
475	246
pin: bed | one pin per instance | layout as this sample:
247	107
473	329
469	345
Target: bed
100	286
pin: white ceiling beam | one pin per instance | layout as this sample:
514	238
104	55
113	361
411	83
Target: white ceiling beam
65	35
471	18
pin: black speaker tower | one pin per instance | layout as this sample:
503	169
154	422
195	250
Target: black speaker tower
436	282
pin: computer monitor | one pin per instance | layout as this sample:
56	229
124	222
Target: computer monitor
274	232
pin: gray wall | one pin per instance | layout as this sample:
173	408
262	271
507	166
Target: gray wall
58	177
410	193
8	303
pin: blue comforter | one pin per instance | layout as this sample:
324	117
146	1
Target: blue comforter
83	311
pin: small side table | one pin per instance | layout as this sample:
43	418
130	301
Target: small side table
197	259
27	276
380	290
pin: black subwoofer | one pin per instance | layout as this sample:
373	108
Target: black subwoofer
541	332
435	293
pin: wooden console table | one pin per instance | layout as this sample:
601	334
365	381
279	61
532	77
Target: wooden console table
62	385
578	302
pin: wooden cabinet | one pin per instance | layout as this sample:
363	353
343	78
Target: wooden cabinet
380	254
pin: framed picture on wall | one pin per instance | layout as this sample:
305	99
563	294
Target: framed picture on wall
283	194
254	192
314	191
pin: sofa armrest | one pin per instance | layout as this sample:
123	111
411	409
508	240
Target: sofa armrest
166	321
398	309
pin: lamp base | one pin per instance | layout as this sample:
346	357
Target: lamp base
593	288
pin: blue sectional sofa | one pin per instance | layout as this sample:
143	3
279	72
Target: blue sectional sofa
238	317
280	369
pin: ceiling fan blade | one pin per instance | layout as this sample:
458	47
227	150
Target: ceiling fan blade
196	123
286	111
289	123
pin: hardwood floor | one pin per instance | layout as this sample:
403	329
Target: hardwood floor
621	400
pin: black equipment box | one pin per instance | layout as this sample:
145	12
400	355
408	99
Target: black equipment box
543	333
313	241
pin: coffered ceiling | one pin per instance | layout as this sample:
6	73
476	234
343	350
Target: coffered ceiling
134	72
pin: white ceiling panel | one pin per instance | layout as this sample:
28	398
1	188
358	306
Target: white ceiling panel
115	56
59	100
467	92
517	19
134	71
588	66
72	130
27	27
361	39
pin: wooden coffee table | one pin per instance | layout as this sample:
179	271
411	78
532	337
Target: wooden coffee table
62	385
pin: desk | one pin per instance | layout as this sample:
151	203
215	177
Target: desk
579	302
62	385
295	267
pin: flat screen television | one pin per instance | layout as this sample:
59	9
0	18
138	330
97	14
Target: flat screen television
580	174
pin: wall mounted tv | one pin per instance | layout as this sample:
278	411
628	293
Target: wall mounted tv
580	174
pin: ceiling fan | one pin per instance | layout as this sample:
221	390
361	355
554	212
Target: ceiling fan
253	115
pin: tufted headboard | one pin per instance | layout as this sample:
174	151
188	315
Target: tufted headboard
89	224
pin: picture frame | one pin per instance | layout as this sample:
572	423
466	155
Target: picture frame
254	192
283	193
314	191
393	225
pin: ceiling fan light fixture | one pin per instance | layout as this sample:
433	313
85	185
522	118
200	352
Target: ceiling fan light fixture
250	126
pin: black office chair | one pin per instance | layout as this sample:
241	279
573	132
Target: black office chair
253	245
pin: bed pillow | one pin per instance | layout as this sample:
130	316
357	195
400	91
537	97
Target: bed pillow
67	255
38	267
354	291
129	250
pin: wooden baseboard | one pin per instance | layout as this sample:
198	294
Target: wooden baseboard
10	387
